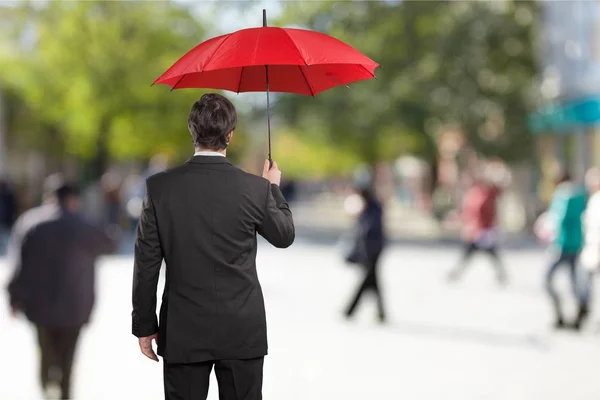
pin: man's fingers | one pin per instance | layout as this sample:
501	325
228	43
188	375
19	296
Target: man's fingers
148	352
146	347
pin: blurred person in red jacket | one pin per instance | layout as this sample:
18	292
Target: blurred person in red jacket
480	233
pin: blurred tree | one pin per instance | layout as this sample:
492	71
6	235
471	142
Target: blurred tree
85	69
466	63
308	157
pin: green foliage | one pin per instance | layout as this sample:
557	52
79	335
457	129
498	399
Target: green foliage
464	63
86	71
304	157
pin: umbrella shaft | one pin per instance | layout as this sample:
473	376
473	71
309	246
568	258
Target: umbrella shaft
268	113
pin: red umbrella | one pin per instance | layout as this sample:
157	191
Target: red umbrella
270	59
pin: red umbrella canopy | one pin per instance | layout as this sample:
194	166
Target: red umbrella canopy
299	61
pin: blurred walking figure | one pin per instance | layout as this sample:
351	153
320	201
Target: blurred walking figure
480	232
590	255
110	183
8	212
54	251
565	215
368	245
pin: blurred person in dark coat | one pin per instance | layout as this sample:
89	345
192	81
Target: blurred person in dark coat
8	212
202	219
368	245
54	251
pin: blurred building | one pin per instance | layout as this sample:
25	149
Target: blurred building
569	115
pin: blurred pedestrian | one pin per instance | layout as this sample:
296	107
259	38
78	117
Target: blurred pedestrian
480	232
366	251
8	212
289	189
133	191
54	251
565	211
110	183
202	219
590	254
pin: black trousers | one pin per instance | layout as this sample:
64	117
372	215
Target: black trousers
370	282
237	379
470	248
570	260
57	348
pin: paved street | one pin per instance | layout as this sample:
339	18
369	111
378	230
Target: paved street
471	340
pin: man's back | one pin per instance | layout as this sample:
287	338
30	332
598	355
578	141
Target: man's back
202	218
55	252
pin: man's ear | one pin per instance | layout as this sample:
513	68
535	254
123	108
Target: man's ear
229	136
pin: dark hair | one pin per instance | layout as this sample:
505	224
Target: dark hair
65	191
57	186
211	119
366	193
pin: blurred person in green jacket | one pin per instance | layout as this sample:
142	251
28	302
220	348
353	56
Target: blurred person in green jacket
565	214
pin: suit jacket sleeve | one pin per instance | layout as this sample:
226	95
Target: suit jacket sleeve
147	263
277	225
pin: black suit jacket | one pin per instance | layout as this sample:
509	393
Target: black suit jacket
202	219
54	252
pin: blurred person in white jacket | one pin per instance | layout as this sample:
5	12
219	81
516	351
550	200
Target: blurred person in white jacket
590	255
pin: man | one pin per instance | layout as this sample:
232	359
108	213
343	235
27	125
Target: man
202	219
479	229
54	250
565	211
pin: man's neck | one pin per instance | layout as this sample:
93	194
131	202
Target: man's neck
201	150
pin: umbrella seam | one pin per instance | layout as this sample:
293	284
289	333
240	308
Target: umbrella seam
295	46
205	64
312	93
215	52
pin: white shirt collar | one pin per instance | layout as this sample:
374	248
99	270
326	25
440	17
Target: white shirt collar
208	153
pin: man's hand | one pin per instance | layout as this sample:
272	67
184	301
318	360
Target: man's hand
146	346
273	174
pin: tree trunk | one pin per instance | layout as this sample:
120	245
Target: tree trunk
100	161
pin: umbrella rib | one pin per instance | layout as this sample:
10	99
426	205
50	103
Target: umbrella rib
312	93
370	73
240	83
215	52
205	64
178	81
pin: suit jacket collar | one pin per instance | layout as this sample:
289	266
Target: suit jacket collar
209	160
